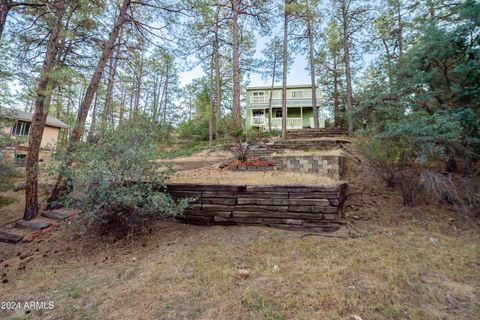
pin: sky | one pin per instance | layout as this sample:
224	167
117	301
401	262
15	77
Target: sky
297	75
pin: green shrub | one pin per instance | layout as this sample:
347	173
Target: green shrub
7	173
239	142
402	151
118	183
197	129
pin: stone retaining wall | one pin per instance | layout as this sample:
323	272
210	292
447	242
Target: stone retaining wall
325	165
279	146
253	168
295	207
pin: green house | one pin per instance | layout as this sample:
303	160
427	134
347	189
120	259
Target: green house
299	107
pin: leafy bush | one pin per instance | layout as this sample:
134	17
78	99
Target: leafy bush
7	173
117	181
197	128
239	142
404	150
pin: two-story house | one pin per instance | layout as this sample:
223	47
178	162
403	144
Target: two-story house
299	107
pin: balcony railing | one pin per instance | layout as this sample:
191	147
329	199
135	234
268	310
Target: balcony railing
258	120
256	102
292	123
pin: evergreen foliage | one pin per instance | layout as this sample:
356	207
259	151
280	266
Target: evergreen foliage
117	181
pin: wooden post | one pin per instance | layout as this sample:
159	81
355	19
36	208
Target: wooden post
301	116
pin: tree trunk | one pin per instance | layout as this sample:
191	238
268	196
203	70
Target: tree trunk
132	96
389	61
218	98
284	80
60	185
236	108
347	67
336	103
159	98
5	6
210	114
316	124
271	88
165	95
58	105
431	9
400	28
42	103
190	105
155	95
94	116
122	109
110	83
139	86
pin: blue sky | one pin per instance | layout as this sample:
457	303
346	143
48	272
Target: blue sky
297	75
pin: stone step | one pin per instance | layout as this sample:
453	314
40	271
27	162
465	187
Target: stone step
58	215
10	237
32	224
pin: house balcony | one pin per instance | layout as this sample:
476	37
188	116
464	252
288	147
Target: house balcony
262	102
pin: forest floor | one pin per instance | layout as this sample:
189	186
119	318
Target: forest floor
407	263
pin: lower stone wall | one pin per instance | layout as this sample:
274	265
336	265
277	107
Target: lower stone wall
296	207
325	165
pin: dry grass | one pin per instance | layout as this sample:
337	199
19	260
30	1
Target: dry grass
210	175
187	272
206	155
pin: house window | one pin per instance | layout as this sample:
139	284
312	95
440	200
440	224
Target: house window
257	113
21	128
258	96
277	94
278	113
297	94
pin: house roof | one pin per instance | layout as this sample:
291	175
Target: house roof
295	86
25	116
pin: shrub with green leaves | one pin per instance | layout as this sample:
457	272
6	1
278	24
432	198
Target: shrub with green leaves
117	181
239	142
403	150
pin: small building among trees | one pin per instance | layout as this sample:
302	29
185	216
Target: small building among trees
15	126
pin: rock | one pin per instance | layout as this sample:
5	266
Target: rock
134	259
243	274
276	268
5	280
355	317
